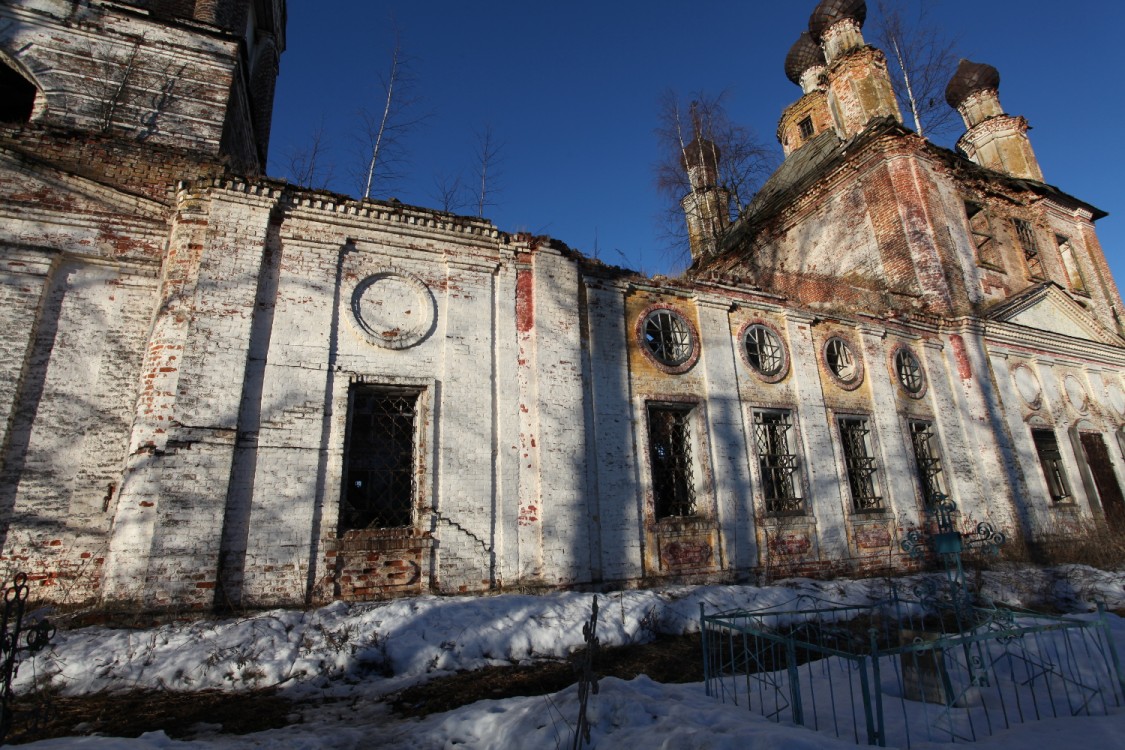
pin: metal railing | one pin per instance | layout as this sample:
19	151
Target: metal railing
903	671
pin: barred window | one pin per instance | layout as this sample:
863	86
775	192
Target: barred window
764	350
838	355
777	459
927	457
1050	459
1070	263
669	440
1026	234
379	467
855	435
984	239
806	128
668	337
909	371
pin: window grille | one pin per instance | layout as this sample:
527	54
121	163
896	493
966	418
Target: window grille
1050	459
984	239
669	439
763	350
928	458
860	463
1026	234
668	337
840	359
806	127
909	371
380	472
781	485
1070	262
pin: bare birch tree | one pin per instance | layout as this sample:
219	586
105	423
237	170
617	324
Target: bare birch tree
744	163
922	60
449	192
385	130
489	155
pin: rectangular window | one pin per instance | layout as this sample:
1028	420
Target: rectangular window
806	127
1026	234
855	434
1070	263
379	465
1047	446
928	460
669	441
984	239
777	459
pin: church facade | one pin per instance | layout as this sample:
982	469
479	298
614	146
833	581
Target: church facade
223	390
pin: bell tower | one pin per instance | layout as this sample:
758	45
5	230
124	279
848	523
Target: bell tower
994	139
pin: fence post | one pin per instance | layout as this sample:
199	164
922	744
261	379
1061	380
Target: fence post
706	655
880	737
794	680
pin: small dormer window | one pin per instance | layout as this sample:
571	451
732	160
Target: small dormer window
17	96
806	128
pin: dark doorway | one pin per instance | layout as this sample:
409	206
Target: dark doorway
1097	458
17	96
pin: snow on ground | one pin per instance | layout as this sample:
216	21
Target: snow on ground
363	651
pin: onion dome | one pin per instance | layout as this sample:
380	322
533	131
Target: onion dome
804	54
970	78
829	12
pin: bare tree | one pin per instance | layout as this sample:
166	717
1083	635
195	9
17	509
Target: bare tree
744	162
923	59
488	161
384	131
449	192
307	165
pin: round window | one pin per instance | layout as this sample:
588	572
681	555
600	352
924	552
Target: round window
840	360
668	337
763	350
909	371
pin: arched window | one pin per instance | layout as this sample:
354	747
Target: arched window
17	95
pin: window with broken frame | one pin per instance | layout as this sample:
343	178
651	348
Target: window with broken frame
1051	461
983	236
1025	234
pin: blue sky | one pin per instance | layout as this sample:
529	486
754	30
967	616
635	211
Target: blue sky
571	90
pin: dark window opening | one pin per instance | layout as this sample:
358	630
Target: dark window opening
806	127
860	464
1050	458
984	239
17	96
1030	246
781	486
379	472
669	440
928	459
1071	264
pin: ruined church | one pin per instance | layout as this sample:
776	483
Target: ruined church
222	390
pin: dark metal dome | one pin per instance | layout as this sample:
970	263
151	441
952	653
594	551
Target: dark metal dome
970	78
831	11
804	54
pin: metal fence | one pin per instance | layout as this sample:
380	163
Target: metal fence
902	671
